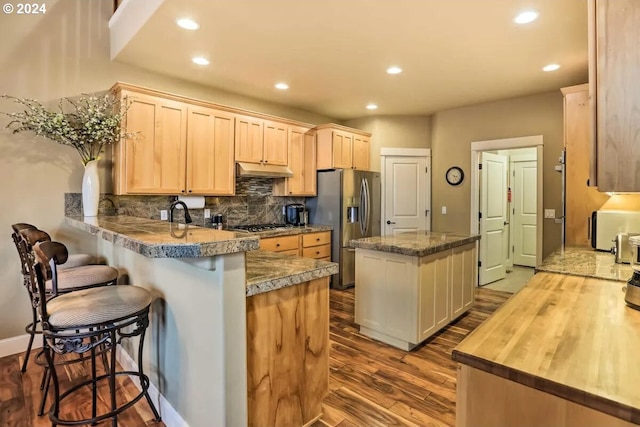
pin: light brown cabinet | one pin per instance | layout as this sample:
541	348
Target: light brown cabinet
178	148
340	147
308	245
261	141
302	162
580	199
614	71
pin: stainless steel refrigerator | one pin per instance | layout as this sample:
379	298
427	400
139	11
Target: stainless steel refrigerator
349	200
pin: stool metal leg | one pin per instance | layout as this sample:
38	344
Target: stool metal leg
55	408
94	384
31	331
45	392
143	378
112	378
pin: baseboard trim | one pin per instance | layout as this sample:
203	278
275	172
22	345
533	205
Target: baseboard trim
15	345
170	417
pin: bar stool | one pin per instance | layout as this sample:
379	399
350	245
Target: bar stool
80	321
69	279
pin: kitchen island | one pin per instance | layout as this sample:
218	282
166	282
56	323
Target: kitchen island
410	285
196	354
560	352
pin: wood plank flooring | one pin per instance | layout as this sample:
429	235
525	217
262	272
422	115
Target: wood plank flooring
371	384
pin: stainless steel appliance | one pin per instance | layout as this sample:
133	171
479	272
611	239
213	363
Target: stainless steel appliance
632	290
622	248
295	214
349	200
605	225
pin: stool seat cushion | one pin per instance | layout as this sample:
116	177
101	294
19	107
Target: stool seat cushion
77	260
97	305
82	277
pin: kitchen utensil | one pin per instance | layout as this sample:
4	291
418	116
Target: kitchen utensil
295	214
622	248
217	220
632	291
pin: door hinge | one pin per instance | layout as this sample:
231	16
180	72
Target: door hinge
426	169
480	215
513	249
479	263
426	212
513	173
479	165
514	211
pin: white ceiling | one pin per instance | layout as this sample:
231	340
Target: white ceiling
334	53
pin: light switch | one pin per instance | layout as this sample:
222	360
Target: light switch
164	215
550	213
207	213
444	210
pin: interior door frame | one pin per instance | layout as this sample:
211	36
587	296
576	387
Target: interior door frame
404	152
507	144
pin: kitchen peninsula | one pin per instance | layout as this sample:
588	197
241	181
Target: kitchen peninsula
410	285
207	284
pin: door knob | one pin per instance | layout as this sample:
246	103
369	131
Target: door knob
506	223
390	222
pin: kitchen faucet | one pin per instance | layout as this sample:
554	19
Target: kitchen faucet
187	217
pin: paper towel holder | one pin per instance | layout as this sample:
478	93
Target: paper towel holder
192	202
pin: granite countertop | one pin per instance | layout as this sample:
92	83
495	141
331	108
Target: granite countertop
288	231
414	243
586	262
161	239
570	336
268	271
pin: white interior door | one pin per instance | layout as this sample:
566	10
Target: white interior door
524	214
406	199
493	221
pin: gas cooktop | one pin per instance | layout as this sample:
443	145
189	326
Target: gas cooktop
255	228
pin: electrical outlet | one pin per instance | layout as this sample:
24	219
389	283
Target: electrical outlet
550	213
444	210
164	215
207	213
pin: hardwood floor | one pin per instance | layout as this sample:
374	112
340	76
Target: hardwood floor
371	384
20	396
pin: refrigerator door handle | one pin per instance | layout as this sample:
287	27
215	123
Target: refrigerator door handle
362	207
368	206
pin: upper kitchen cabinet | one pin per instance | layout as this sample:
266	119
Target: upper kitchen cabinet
340	147
154	161
614	71
302	162
261	141
580	199
180	147
210	164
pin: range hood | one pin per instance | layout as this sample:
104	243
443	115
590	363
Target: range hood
262	170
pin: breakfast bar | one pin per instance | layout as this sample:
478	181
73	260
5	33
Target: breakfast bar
205	283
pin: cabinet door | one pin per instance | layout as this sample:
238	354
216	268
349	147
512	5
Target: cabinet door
433	294
248	139
361	150
156	159
618	94
210	154
463	267
275	143
309	175
342	150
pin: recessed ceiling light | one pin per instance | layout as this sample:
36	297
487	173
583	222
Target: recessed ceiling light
282	86
526	17
372	107
187	24
394	70
550	67
200	60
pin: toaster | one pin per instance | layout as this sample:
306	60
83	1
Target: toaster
622	248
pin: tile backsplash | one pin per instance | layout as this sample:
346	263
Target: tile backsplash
252	204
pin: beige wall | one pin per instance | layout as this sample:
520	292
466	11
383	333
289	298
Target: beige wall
394	132
453	132
65	54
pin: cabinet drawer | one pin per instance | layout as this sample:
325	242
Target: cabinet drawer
317	252
316	239
278	244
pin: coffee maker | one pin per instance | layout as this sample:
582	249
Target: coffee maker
296	214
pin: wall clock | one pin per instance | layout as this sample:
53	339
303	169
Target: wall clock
454	175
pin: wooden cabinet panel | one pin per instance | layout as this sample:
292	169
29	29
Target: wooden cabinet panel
616	40
210	154
288	354
277	244
317	252
433	312
155	161
290	252
342	150
249	139
302	162
463	279
315	239
275	143
361	152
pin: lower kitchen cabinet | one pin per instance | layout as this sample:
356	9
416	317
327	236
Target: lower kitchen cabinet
402	300
281	244
308	245
288	354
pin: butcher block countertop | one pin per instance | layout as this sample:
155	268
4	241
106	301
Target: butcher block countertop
570	336
414	243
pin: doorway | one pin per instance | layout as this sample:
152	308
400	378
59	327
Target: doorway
506	201
406	190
